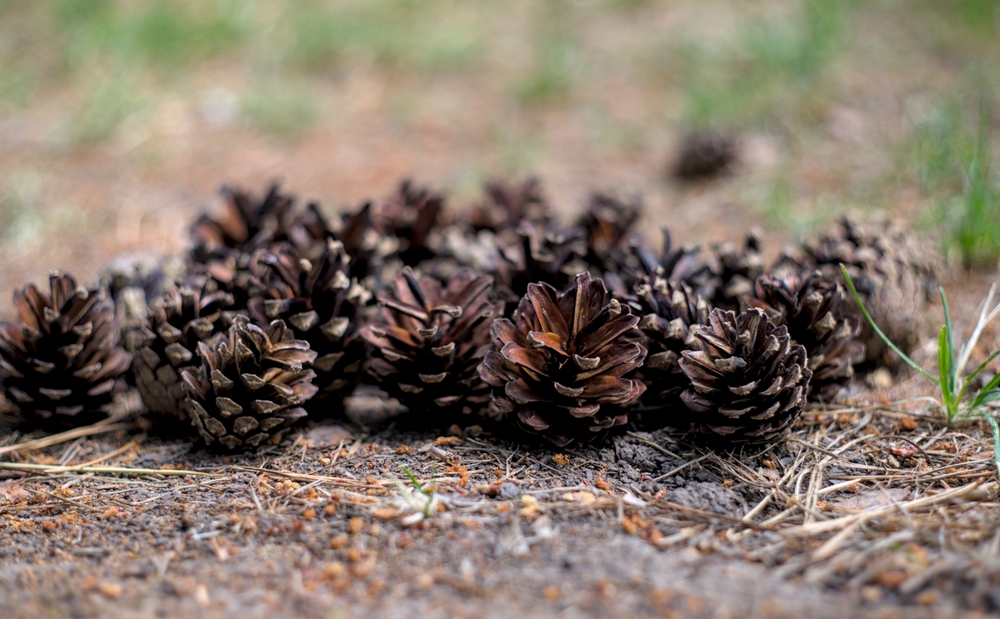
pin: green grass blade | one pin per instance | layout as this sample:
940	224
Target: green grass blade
952	379
414	481
944	369
996	438
971	377
885	338
986	394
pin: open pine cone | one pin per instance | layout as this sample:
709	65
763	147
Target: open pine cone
611	240
250	386
223	247
563	368
412	215
168	343
894	271
61	360
815	310
748	382
669	312
322	305
508	204
734	272
430	340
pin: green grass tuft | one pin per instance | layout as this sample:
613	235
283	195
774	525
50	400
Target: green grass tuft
954	163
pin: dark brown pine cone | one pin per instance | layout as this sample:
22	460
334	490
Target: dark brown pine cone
508	204
563	368
669	311
734	272
895	272
413	215
61	359
322	305
704	155
609	224
552	256
818	315
223	247
429	342
250	386
748	381
177	321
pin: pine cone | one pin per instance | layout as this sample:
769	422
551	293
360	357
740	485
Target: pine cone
748	383
609	226
564	365
669	312
704	155
430	341
223	247
61	360
895	273
508	204
322	305
412	216
734	273
550	256
176	322
816	312
681	265
250	386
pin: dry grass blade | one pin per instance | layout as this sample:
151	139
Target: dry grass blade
101	427
104	470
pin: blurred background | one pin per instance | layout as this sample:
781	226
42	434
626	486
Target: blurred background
119	119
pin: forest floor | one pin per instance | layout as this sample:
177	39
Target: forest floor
114	136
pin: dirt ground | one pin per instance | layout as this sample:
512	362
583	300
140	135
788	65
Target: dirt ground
873	508
317	531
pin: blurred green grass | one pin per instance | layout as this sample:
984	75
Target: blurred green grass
775	69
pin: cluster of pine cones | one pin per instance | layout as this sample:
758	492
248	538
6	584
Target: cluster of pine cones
498	315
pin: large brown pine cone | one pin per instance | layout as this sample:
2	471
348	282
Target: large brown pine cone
430	340
748	381
563	368
818	316
250	386
61	359
322	305
177	321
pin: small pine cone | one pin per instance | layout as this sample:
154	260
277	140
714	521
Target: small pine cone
669	312
705	155
734	273
564	366
367	247
609	224
61	360
413	215
550	255
748	383
167	344
223	247
817	315
680	265
430	341
250	386
506	205
322	305
894	271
